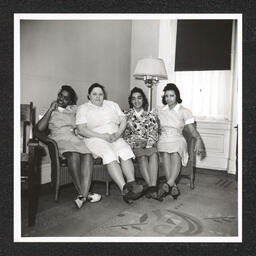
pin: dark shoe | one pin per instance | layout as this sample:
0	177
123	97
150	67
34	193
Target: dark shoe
163	190
134	187
175	192
151	192
132	191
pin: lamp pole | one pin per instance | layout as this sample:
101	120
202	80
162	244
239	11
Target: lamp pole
150	82
151	70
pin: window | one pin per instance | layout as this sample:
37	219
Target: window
207	93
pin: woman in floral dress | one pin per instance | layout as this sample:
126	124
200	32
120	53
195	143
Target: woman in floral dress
141	134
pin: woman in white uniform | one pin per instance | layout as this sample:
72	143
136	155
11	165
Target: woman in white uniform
172	145
101	123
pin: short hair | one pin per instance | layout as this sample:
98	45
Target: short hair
145	100
171	87
72	93
95	85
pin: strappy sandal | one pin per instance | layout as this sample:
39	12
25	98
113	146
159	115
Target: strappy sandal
151	192
175	192
163	190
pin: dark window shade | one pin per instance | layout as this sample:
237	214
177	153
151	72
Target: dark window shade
203	45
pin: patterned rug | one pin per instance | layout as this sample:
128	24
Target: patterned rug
208	210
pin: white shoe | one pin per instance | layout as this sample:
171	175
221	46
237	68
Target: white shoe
93	197
79	201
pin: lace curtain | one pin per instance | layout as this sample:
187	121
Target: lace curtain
206	93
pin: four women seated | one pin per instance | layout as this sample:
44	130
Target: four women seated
99	128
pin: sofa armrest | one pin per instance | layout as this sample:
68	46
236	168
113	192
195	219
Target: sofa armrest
53	151
43	137
191	145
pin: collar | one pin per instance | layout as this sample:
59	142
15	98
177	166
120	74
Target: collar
138	114
69	108
176	108
90	104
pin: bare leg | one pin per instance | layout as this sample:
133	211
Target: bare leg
144	168
153	169
73	159
86	173
175	168
116	174
166	157
172	165
128	169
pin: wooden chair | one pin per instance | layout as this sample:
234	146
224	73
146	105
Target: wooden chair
59	169
30	160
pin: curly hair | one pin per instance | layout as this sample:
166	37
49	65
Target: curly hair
95	85
171	87
145	100
71	91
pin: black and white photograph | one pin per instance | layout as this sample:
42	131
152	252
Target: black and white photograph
128	127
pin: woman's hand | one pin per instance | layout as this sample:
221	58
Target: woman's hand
43	122
140	143
53	105
107	137
115	136
199	148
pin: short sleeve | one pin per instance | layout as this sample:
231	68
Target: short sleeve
118	110
81	115
154	111
188	117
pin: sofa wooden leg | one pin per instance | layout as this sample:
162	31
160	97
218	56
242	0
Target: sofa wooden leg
107	188
192	179
192	185
57	195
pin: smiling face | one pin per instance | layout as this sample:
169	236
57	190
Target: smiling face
137	101
97	96
170	98
63	99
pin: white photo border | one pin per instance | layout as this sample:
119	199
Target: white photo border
114	16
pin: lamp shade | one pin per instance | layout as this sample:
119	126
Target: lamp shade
150	67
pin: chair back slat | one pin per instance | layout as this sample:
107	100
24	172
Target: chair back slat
26	114
27	118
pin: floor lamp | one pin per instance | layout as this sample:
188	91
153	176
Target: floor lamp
150	70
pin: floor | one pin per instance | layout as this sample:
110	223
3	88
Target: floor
208	210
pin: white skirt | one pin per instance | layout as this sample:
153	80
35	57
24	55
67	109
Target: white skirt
174	144
109	152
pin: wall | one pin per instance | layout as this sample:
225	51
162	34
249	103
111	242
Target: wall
158	39
78	53
144	43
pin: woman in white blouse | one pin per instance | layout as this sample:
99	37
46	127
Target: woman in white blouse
101	122
172	145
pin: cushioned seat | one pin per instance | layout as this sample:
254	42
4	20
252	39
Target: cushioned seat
60	174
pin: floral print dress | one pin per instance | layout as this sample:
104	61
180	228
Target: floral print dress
144	126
